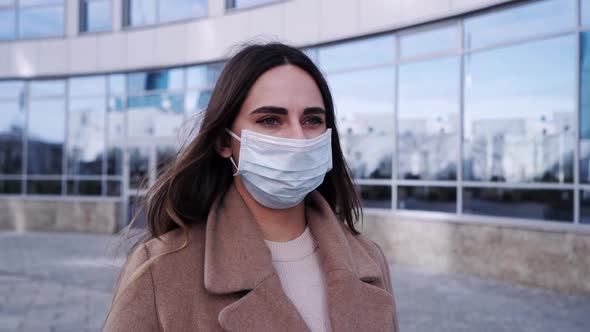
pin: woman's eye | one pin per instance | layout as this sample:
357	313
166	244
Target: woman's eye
268	121
314	120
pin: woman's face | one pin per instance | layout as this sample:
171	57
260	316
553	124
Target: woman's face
285	102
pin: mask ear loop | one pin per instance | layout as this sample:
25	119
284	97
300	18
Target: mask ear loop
231	158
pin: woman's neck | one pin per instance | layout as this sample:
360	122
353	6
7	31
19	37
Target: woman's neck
277	225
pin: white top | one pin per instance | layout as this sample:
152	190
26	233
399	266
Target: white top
297	263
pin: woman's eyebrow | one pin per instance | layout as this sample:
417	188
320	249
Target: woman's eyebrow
284	111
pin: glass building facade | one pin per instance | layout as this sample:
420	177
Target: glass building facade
482	115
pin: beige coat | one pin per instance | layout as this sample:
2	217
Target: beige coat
224	279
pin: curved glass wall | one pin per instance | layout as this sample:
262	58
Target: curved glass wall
492	119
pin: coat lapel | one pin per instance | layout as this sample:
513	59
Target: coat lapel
238	261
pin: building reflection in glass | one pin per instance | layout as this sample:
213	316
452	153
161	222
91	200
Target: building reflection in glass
519	112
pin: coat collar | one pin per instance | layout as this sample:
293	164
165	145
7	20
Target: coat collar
237	260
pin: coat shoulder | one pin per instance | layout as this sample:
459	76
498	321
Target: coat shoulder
175	239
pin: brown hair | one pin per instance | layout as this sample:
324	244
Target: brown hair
185	191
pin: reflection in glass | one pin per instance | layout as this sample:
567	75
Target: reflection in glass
84	188
86	130
138	167
246	3
10	186
428	119
43	187
532	18
440	199
519	112
45	136
359	53
585	12
140	12
87	86
115	141
155	115
585	206
203	76
430	41
7	24
365	119
376	196
174	10
37	22
155	80
113	188
12	121
116	84
96	15
165	155
585	107
47	88
555	205
12	89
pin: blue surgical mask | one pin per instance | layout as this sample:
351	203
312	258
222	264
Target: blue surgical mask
279	172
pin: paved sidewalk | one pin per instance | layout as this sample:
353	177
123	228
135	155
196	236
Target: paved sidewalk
63	282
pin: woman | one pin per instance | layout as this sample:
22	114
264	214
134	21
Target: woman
252	228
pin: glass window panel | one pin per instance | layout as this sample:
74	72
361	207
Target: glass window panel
246	3
174	10
376	196
585	12
7	2
429	41
438	199
155	80
428	122
7	24
364	52
141	12
49	88
11	89
203	76
86	141
197	101
84	188
45	136
113	188
41	22
164	156
534	18
585	108
87	86
138	167
40	2
97	16
12	121
10	186
554	205
116	84
115	141
365	118
43	187
115	160
312	53
155	115
519	112
585	206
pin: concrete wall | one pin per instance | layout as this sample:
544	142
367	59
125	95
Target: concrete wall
553	259
59	215
299	22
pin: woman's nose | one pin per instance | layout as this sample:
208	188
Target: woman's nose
296	131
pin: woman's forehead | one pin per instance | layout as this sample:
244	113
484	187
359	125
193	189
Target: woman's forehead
285	86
